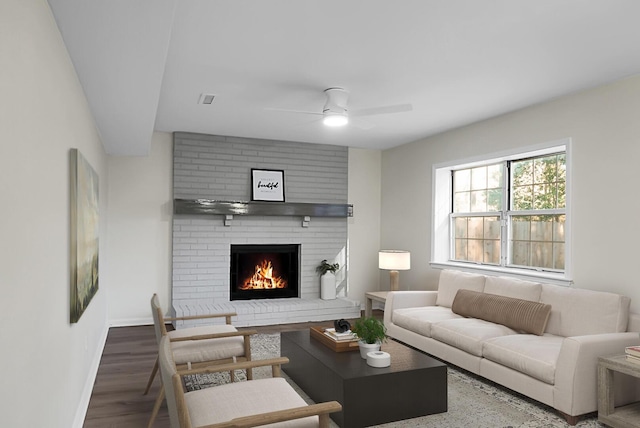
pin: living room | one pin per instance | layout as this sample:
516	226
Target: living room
46	112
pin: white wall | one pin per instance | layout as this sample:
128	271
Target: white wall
604	127
139	240
364	226
48	364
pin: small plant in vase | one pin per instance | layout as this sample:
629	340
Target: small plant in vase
327	271
371	332
325	267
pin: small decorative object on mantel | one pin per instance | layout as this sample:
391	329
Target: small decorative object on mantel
327	271
371	332
267	185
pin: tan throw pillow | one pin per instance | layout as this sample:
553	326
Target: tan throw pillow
520	315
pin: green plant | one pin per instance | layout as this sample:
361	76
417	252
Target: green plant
370	330
325	267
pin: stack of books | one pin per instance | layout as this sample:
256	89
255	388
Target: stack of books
340	337
633	353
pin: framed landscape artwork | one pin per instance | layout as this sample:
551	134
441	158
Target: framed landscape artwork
267	185
84	234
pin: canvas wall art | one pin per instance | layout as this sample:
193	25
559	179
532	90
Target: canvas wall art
84	234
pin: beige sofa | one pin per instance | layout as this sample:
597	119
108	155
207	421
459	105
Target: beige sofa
557	368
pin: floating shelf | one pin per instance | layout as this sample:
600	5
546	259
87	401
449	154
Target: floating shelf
213	207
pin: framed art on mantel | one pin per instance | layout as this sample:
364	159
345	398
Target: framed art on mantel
84	234
267	185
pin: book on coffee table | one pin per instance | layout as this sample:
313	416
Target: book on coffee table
346	335
318	333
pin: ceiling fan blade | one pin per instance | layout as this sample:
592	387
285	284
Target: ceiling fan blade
398	108
292	111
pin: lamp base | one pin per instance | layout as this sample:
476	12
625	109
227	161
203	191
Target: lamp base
394	285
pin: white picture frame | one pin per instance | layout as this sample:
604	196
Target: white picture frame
267	185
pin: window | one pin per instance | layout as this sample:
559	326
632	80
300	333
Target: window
507	213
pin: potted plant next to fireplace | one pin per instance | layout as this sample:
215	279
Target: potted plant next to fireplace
371	333
327	272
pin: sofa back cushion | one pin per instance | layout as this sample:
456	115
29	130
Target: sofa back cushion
577	312
452	280
512	287
520	315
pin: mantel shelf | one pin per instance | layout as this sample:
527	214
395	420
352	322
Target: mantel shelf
256	208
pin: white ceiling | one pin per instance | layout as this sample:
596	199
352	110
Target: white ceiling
145	63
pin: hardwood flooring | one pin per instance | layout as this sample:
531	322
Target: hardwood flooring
127	360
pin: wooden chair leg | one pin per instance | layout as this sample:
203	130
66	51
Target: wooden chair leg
247	355
156	407
153	375
323	421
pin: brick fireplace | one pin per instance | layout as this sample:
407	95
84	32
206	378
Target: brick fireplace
216	168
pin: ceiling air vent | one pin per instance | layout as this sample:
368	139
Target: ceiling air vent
206	99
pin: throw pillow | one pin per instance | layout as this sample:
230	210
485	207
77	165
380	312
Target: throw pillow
518	314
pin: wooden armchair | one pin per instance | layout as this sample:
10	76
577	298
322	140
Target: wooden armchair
201	346
239	404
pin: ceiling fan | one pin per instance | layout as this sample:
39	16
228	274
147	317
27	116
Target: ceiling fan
336	112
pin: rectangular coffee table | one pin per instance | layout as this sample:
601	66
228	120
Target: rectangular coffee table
414	385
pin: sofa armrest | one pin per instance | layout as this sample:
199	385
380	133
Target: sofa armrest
575	390
407	299
634	322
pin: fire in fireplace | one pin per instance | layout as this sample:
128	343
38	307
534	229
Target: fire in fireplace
264	271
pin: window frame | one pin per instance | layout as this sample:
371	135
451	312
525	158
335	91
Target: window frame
442	237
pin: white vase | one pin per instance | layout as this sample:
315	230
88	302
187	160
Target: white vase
328	286
365	348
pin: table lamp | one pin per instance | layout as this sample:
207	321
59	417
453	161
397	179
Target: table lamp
394	260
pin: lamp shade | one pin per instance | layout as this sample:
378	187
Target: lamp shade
394	259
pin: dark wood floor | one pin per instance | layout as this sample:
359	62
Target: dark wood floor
127	360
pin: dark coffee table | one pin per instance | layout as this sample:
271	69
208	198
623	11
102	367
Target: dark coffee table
414	385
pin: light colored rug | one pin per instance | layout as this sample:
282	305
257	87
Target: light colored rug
472	401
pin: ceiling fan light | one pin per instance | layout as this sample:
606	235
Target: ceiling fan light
335	119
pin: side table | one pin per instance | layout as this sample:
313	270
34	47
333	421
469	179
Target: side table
621	417
369	297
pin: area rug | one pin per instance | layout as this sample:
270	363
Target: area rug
472	401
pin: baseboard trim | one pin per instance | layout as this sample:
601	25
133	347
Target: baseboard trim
130	322
83	405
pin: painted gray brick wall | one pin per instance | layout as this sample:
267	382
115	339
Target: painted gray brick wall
218	167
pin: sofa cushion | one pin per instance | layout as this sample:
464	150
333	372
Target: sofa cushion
578	312
451	281
419	320
468	334
512	287
518	314
535	356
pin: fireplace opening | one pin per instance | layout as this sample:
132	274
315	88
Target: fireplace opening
264	271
